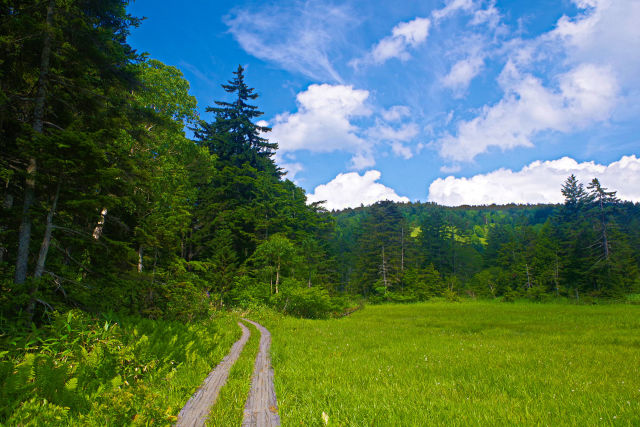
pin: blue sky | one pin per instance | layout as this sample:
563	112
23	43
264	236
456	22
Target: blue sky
457	101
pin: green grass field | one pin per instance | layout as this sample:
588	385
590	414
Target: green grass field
461	363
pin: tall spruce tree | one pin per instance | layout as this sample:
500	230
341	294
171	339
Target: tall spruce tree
233	136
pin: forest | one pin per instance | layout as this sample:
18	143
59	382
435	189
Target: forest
108	205
120	202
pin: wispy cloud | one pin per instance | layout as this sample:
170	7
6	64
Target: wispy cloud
403	36
299	37
592	74
462	72
585	95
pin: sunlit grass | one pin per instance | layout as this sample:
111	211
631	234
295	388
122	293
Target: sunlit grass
467	363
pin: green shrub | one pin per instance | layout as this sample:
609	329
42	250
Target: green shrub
301	301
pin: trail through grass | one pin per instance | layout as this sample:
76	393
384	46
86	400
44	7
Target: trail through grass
461	363
228	410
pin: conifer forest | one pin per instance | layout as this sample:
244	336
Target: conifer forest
133	231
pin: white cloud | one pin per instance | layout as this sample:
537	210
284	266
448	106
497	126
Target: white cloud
322	123
394	136
383	132
300	38
597	47
585	95
452	7
539	182
396	113
403	36
401	150
462	73
350	190
606	31
287	161
490	16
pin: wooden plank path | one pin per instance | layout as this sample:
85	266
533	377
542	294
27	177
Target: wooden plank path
196	411
261	409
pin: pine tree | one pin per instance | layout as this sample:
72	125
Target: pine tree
233	136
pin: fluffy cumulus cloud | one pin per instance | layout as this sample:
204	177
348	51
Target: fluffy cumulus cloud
300	38
323	123
584	95
403	36
350	190
539	182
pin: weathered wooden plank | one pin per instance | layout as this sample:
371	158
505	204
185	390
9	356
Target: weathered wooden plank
197	409
261	409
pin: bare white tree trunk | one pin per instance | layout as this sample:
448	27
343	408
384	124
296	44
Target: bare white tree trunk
97	232
140	259
44	247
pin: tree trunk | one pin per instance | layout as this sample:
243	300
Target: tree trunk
97	232
140	259
402	252
44	248
384	271
555	276
24	237
277	276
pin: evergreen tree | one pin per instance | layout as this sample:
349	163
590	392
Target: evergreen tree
233	137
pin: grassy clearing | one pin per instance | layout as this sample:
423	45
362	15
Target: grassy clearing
228	410
83	370
461	363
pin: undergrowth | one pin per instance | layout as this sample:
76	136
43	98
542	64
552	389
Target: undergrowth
82	369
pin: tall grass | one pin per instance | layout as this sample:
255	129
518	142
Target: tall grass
460	364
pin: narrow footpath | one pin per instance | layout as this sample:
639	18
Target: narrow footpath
195	412
261	409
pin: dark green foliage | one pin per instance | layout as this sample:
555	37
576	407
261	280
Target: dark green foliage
233	137
581	248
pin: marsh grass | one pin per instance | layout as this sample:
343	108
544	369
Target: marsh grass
229	407
460	364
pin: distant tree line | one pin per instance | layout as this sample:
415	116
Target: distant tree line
587	246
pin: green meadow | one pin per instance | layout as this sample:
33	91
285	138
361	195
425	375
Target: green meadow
461	364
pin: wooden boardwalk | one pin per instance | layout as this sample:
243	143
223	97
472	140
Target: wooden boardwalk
261	409
196	411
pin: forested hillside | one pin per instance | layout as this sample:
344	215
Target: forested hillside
587	247
108	205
